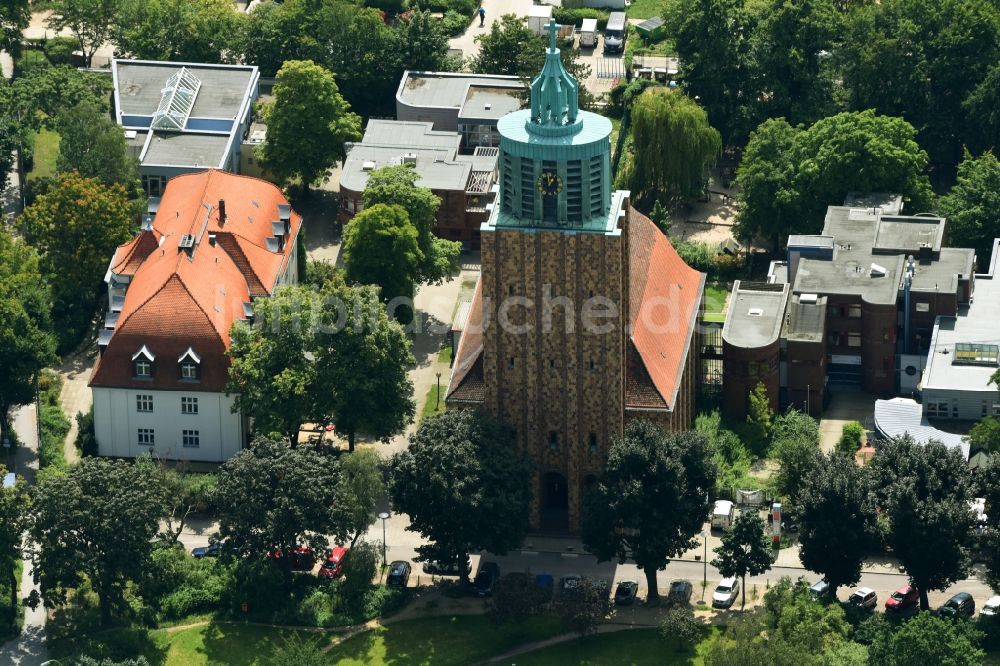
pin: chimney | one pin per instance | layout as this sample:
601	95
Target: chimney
222	212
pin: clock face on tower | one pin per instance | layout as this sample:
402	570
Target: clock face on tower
549	184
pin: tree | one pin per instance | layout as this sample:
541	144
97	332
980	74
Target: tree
650	501
97	521
713	46
679	625
15	16
989	486
42	93
515	599
422	41
760	416
584	607
923	489
300	649
75	227
90	21
93	145
381	248
362	364
271	372
661	217
178	30
15	510
973	205
927	639
794	617
510	47
789	46
836	520
361	564
464	485
359	491
26	341
673	146
745	549
308	124
12	131
396	185
270	497
983	104
795	446
850	438
789	176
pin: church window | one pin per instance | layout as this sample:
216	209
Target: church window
592	443
553	440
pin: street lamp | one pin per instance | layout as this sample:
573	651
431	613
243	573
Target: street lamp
437	395
384	516
704	576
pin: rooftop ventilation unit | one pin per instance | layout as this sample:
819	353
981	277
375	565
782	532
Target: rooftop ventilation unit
368	165
755	312
808	299
130	134
878	271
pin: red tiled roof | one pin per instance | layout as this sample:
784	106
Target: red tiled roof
176	300
664	297
467	384
129	256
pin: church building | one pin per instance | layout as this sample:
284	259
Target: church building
584	316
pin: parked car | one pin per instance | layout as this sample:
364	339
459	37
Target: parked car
399	574
546	584
486	579
211	550
434	568
333	567
725	593
301	558
991	608
863	597
960	605
625	593
679	592
903	599
820	589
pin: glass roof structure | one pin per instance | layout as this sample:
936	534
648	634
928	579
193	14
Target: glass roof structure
176	101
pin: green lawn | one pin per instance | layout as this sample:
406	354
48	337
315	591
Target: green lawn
643	9
433	405
439	641
715	297
46	153
632	647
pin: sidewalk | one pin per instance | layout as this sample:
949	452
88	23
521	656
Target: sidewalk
466	42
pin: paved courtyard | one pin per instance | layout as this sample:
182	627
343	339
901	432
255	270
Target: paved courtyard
845	406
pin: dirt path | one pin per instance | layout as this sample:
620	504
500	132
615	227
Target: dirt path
76	396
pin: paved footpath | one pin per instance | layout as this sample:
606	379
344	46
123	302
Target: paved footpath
466	42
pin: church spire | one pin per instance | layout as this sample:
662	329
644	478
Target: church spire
554	92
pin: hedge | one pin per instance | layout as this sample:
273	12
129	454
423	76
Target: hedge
565	16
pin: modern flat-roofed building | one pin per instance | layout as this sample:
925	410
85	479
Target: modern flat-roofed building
470	104
883	278
183	117
750	342
463	182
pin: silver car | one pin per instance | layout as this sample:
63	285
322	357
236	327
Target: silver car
725	593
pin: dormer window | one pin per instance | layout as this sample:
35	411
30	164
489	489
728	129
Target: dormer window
190	364
142	363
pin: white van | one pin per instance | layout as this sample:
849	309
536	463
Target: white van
722	514
588	33
614	33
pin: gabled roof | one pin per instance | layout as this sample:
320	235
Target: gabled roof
129	257
665	295
181	299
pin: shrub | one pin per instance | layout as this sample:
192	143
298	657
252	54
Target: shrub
515	599
463	7
698	256
59	50
52	423
360	567
454	23
679	624
86	439
381	601
850	438
575	16
180	585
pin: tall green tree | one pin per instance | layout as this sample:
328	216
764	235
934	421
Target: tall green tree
271	371
927	639
795	446
985	435
398	185
26	341
983	104
96	521
789	176
94	146
75	227
650	500
308	124
972	206
745	549
672	147
12	132
362	362
15	512
924	491
90	21
15	16
43	93
360	489
836	520
178	30
464	485
270	497
794	617
422	41
989	487
381	248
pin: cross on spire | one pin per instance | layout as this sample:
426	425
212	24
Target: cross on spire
553	28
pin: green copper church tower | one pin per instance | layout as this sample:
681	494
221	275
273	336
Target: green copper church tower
555	167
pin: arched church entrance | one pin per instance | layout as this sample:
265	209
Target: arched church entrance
555	502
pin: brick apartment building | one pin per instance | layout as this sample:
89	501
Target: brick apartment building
584	316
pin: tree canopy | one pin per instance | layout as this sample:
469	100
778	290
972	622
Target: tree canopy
795	446
93	145
308	124
90	21
15	16
15	508
650	501
464	486
42	93
924	491
178	30
745	549
673	146
972	206
97	520
927	639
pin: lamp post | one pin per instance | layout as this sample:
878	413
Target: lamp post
704	576
384	516
437	395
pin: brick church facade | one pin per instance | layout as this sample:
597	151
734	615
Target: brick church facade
584	317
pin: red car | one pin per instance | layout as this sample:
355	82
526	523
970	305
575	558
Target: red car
301	558
334	565
903	599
